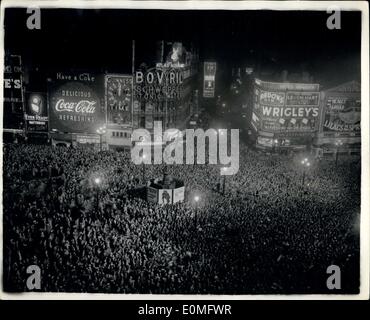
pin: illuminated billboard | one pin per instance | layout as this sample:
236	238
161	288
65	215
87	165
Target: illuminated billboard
13	85
285	108
36	112
209	81
75	103
342	115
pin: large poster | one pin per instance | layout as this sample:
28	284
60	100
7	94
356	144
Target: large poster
165	196
342	115
285	111
152	194
36	115
178	194
209	81
75	103
118	95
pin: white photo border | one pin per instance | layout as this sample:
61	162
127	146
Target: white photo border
362	6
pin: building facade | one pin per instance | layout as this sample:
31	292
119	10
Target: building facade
166	92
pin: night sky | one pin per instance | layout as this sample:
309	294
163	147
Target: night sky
101	39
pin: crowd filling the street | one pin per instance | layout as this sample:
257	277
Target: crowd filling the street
80	215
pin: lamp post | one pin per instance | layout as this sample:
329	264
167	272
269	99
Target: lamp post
97	184
196	199
306	164
100	132
338	144
275	144
143	171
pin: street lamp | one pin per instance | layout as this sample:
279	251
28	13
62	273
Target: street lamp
97	184
338	144
100	132
143	171
196	199
275	143
306	164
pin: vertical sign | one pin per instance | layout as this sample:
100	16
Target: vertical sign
209	79
13	93
36	115
118	98
13	102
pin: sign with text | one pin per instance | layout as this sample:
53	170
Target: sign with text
75	103
302	98
36	112
209	81
342	115
158	84
152	194
13	86
285	111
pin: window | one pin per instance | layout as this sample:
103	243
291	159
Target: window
121	134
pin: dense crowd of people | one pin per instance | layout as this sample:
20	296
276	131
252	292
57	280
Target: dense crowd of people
267	233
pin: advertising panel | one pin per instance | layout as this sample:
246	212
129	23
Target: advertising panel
209	81
285	111
152	194
165	196
342	115
271	98
13	86
36	112
88	139
118	98
302	98
178	194
158	85
283	86
75	103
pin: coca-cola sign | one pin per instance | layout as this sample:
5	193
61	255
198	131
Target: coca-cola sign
83	106
75	106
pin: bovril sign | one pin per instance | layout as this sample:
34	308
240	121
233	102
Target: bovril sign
75	106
